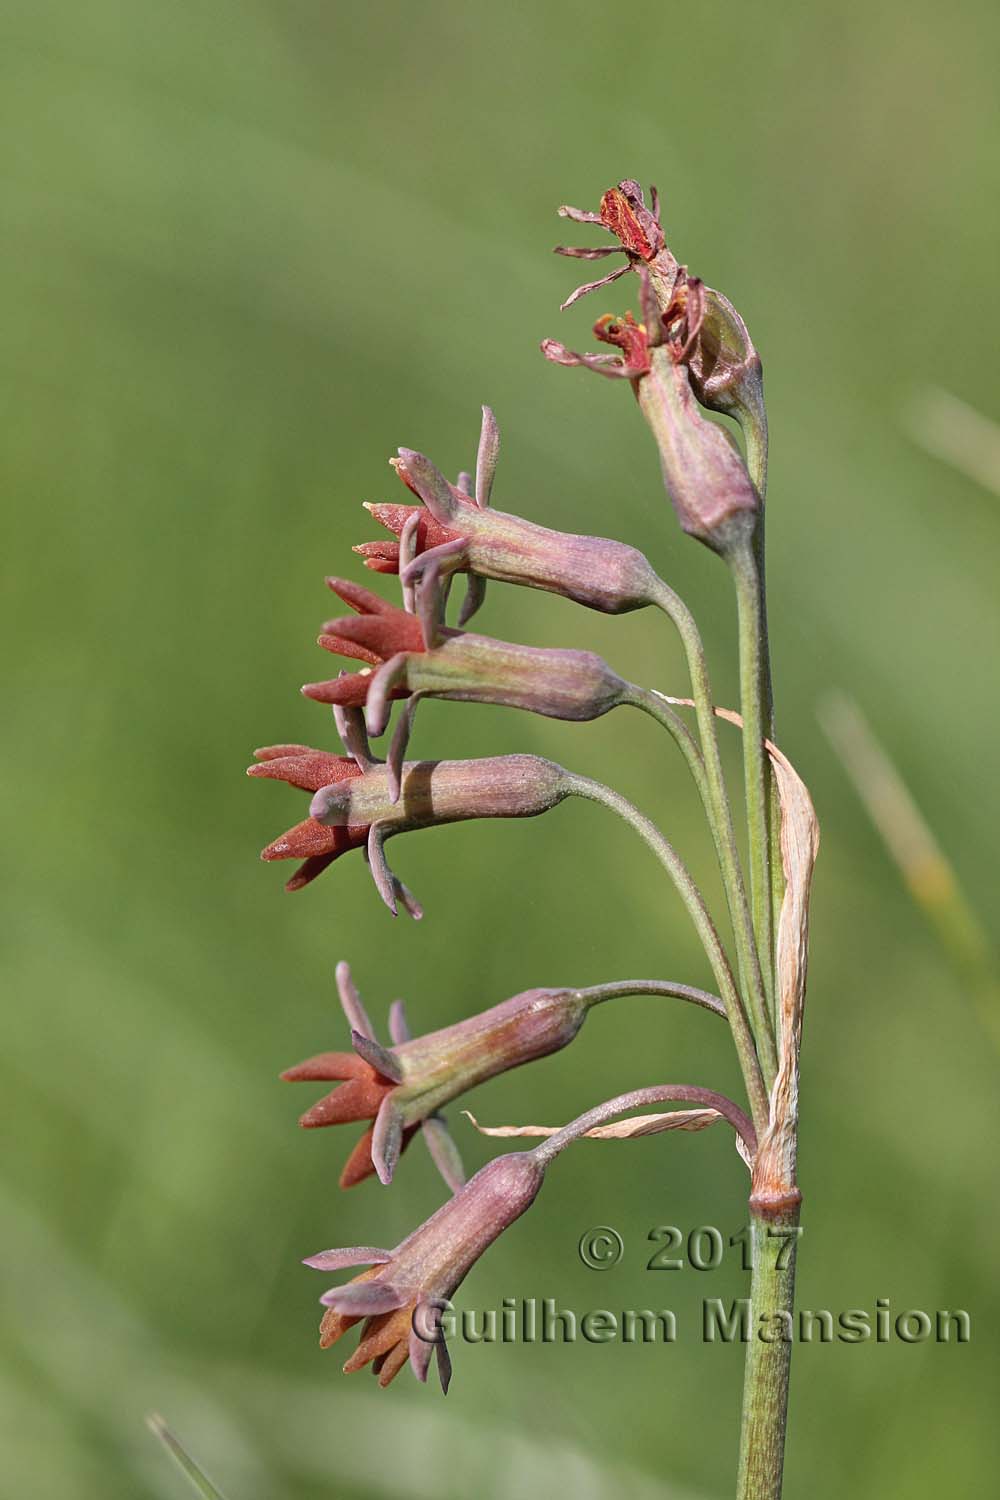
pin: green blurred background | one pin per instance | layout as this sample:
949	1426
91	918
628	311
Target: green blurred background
249	248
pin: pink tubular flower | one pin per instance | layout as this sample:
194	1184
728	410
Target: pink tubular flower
415	655
435	792
456	533
404	1086
401	1296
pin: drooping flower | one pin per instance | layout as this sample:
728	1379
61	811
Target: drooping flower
405	1086
455	533
406	1290
435	792
401	1296
417	656
318	845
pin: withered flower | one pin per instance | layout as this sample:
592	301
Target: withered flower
708	334
703	472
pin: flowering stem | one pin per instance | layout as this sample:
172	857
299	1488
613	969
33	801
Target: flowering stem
755	704
724	838
596	994
664	1093
754	428
595	791
755	437
720	817
765	1383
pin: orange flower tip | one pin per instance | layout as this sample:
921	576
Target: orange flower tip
298	1073
278	850
325	692
278	752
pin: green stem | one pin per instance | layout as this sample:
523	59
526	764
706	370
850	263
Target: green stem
755	707
765	1386
754	425
664	1093
596	791
772	1286
596	994
712	786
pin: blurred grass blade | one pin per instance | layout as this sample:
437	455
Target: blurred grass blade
927	872
954	432
199	1479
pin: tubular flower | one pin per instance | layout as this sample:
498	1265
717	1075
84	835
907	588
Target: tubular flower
455	533
709	336
703	472
318	844
401	1297
404	1086
434	792
430	660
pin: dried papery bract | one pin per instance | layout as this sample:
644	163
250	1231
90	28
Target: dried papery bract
774	1178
